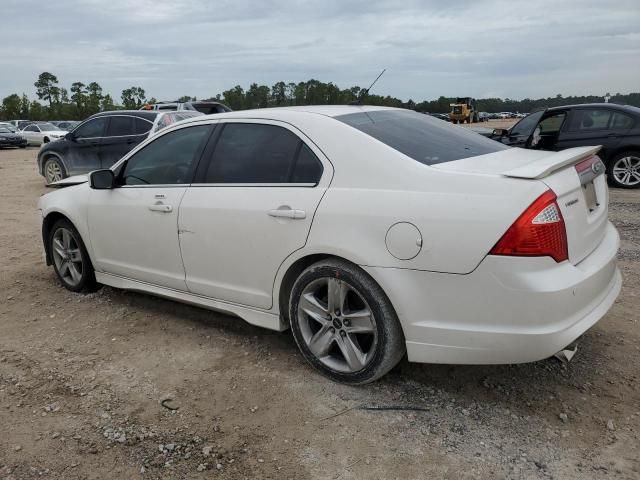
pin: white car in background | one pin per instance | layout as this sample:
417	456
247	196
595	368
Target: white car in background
38	133
371	232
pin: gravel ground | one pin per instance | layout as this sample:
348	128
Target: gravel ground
83	379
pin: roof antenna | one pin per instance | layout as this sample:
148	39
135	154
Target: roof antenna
365	91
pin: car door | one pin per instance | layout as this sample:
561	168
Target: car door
124	132
32	134
251	206
83	146
521	132
590	126
133	227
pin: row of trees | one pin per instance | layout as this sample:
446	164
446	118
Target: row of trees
82	100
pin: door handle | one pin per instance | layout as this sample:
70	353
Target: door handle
287	212
161	207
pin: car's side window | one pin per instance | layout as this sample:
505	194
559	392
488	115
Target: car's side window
142	126
31	128
552	124
620	121
91	129
169	160
308	168
120	126
585	120
260	153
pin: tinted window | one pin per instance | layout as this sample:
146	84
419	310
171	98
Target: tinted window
589	119
308	168
92	128
552	124
31	128
526	126
620	121
167	160
120	126
253	153
421	137
142	126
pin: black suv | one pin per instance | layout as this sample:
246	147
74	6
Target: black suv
615	127
98	142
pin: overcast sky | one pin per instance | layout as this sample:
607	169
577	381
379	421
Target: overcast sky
479	48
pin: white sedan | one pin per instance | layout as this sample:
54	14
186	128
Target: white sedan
371	232
38	133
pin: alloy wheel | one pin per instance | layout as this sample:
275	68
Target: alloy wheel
626	170
67	256
53	172
337	325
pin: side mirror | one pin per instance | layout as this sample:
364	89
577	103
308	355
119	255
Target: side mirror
102	179
70	136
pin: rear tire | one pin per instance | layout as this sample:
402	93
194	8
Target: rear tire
623	170
71	261
344	324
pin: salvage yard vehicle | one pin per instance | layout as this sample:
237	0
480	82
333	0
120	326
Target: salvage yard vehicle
203	106
39	133
464	110
615	127
10	137
371	232
102	140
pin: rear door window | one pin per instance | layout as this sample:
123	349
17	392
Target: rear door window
620	121
260	153
142	126
589	119
120	126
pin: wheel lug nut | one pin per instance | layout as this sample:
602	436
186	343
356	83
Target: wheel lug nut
332	330
337	313
346	323
343	333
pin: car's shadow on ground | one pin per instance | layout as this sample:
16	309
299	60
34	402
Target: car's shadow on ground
513	385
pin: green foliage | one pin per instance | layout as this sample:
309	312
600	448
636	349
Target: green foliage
47	87
85	100
133	98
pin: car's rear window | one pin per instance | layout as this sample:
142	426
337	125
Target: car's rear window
425	139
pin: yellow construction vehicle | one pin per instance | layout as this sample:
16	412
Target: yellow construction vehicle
464	110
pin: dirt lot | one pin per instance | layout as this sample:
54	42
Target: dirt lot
82	379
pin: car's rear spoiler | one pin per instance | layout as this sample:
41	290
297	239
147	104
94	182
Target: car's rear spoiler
552	162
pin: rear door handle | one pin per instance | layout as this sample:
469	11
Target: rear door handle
161	208
287	212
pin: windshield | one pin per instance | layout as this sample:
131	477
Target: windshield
46	126
6	129
421	137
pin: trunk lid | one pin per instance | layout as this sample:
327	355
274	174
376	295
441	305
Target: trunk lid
575	175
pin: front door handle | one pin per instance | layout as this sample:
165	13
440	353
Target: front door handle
288	212
161	207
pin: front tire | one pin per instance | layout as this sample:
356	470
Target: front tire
624	170
71	261
344	324
53	170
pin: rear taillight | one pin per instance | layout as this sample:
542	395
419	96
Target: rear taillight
538	232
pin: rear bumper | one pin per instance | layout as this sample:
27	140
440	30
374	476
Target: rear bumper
509	310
